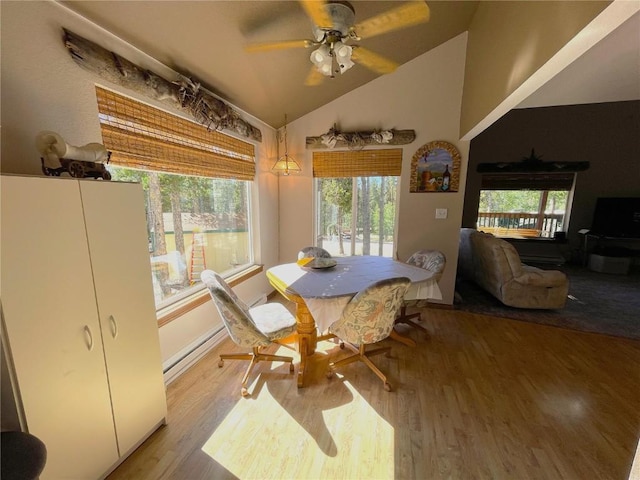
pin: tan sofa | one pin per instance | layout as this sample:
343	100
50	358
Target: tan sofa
494	264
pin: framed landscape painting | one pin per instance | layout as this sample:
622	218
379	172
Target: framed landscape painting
435	167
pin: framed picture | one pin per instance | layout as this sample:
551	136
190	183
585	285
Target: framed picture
435	167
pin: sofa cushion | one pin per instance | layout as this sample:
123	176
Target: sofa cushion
495	265
492	268
544	278
523	295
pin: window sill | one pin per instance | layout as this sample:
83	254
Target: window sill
172	312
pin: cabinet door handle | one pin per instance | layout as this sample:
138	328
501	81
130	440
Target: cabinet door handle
114	326
89	337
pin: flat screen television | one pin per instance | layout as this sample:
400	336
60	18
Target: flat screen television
617	217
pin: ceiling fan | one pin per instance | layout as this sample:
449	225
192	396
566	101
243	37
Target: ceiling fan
334	31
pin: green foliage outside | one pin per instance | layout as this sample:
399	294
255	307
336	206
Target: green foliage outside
375	218
521	201
197	194
216	207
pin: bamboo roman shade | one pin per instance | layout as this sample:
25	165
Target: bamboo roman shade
147	138
360	163
528	181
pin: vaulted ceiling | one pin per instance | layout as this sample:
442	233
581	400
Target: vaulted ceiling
206	39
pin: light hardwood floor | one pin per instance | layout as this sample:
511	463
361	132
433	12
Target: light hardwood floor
481	398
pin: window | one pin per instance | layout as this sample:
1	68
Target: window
193	223
197	186
524	205
356	201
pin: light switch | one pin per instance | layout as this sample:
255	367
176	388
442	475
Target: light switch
441	213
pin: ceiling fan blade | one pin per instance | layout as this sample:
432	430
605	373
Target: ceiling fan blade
406	15
314	78
266	46
373	61
317	12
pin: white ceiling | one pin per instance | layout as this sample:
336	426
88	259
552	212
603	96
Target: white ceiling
205	39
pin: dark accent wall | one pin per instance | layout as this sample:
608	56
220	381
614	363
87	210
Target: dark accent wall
605	134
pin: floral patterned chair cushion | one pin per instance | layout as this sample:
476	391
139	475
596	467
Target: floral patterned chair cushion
248	327
369	316
433	260
255	327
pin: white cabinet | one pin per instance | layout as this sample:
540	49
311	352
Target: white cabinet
79	322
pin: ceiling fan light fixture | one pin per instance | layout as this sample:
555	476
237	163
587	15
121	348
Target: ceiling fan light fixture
334	25
320	55
345	65
342	50
322	58
343	56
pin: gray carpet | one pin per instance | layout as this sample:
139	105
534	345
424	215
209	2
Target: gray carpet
598	302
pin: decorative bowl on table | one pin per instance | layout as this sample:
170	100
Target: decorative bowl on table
317	262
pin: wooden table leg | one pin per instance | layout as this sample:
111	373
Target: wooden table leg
302	366
307	338
306	326
402	339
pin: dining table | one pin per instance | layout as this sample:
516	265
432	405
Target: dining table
321	288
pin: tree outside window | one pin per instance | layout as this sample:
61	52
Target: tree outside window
193	223
356	215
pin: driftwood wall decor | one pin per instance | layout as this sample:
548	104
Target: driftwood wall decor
357	140
184	94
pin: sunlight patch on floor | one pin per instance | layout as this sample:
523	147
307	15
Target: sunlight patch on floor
327	430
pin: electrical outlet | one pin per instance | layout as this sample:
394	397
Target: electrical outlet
441	213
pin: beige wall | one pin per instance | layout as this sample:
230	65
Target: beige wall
43	89
510	41
423	95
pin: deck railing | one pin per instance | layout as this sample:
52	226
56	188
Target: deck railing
520	224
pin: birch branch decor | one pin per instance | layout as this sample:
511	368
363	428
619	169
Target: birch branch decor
184	94
358	140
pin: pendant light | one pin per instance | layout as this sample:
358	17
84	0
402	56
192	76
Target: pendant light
285	165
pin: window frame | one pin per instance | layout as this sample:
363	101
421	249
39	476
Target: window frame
356	164
200	297
192	292
200	152
318	232
528	184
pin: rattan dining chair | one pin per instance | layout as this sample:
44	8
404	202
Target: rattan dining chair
313	252
255	327
433	260
369	318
